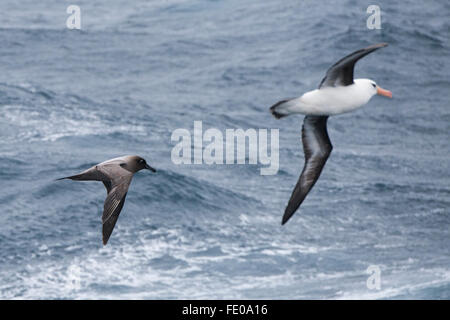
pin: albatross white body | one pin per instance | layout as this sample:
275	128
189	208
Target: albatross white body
329	101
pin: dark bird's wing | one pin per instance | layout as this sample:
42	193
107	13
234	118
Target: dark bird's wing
113	205
91	174
317	148
117	188
341	73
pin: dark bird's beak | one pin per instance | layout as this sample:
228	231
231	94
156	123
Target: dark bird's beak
149	168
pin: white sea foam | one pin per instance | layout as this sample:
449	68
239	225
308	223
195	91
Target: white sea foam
34	126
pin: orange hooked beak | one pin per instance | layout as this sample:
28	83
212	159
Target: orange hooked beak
384	92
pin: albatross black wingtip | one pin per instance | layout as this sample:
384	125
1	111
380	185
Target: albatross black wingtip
377	46
287	215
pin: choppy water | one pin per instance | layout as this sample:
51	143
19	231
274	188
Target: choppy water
139	70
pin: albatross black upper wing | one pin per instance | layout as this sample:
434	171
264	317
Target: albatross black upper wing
317	148
341	73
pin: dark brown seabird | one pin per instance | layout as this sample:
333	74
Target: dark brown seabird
116	175
338	93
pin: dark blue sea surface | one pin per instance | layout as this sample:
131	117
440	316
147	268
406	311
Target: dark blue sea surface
138	70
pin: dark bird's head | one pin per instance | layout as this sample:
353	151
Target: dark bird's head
136	163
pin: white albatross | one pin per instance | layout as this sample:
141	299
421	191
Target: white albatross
338	93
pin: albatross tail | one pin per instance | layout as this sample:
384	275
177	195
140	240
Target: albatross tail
284	108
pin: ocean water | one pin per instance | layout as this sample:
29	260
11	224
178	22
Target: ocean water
138	70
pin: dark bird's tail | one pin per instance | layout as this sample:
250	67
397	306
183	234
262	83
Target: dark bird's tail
80	176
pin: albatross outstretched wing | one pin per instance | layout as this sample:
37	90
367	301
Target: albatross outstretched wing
317	148
341	73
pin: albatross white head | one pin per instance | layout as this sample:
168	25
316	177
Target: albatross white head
370	88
